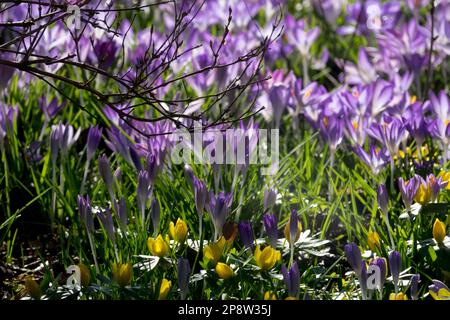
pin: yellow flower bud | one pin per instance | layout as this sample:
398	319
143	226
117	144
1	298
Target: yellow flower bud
287	234
178	232
213	251
33	288
122	273
159	246
291	298
398	296
267	258
270	295
164	289
439	231
224	271
373	240
423	195
230	230
85	275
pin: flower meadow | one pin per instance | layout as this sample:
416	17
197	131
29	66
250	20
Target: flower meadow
120	122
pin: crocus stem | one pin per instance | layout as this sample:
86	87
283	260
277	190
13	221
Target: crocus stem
116	252
41	135
305	71
330	185
200	227
83	182
291	259
392	172
61	180
53	208
94	253
363	291
444	156
386	219
5	166
200	245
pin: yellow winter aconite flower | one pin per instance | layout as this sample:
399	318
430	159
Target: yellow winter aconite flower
121	273
398	296
445	178
442	294
214	251
224	271
287	233
373	240
423	195
85	275
178	231
164	289
159	246
267	258
270	295
33	288
291	298
439	231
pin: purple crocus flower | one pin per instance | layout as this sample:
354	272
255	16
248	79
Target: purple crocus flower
94	136
278	97
183	270
108	224
143	191
415	279
155	214
416	5
408	189
189	174
8	116
354	258
415	123
391	132
200	196
6	72
219	207
69	137
246	233
382	266
364	72
363	281
105	52
122	212
55	142
436	286
436	185
376	159
395	265
152	167
291	279
383	199
271	227
332	131
298	35
364	17
107	175
440	126
270	197
84	208
50	109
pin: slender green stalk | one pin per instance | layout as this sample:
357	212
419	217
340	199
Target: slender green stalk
94	252
386	219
